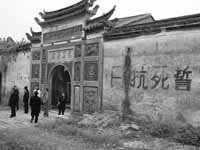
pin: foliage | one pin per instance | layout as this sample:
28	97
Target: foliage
70	127
98	120
188	135
8	51
176	131
162	130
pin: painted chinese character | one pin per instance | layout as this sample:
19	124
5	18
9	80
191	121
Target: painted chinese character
157	78
116	74
141	75
182	81
165	78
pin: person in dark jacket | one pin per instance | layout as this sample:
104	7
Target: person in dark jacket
25	99
61	104
17	95
14	98
35	103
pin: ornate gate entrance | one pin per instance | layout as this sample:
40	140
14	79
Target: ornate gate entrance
60	81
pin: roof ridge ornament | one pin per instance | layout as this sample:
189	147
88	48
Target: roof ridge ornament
100	22
91	3
41	14
31	29
29	37
44	11
34	32
103	17
37	20
93	12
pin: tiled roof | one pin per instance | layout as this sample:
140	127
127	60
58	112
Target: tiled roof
132	20
71	9
170	24
79	9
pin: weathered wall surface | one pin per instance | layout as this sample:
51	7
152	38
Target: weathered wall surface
17	73
165	75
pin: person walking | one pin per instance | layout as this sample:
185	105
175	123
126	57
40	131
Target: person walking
46	103
61	104
35	103
13	102
25	99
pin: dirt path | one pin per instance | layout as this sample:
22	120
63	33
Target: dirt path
54	133
23	120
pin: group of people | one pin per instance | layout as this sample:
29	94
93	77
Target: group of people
35	102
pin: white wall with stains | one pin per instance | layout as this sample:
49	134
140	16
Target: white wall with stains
155	60
17	73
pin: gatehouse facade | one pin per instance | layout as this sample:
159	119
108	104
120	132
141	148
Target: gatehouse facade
65	60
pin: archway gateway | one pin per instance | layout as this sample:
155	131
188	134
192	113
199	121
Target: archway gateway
60	81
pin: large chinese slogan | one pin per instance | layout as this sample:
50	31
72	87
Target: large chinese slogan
156	77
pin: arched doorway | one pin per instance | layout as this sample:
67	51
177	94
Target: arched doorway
60	82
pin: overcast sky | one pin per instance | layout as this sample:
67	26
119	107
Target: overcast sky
17	16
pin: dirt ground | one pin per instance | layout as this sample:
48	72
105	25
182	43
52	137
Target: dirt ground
34	138
19	134
69	132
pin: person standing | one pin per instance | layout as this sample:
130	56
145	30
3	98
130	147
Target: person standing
46	103
25	99
35	103
16	91
61	104
13	102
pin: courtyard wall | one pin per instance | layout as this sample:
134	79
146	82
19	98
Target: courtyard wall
165	75
17	73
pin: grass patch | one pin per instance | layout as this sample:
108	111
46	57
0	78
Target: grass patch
171	130
96	136
188	135
8	141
